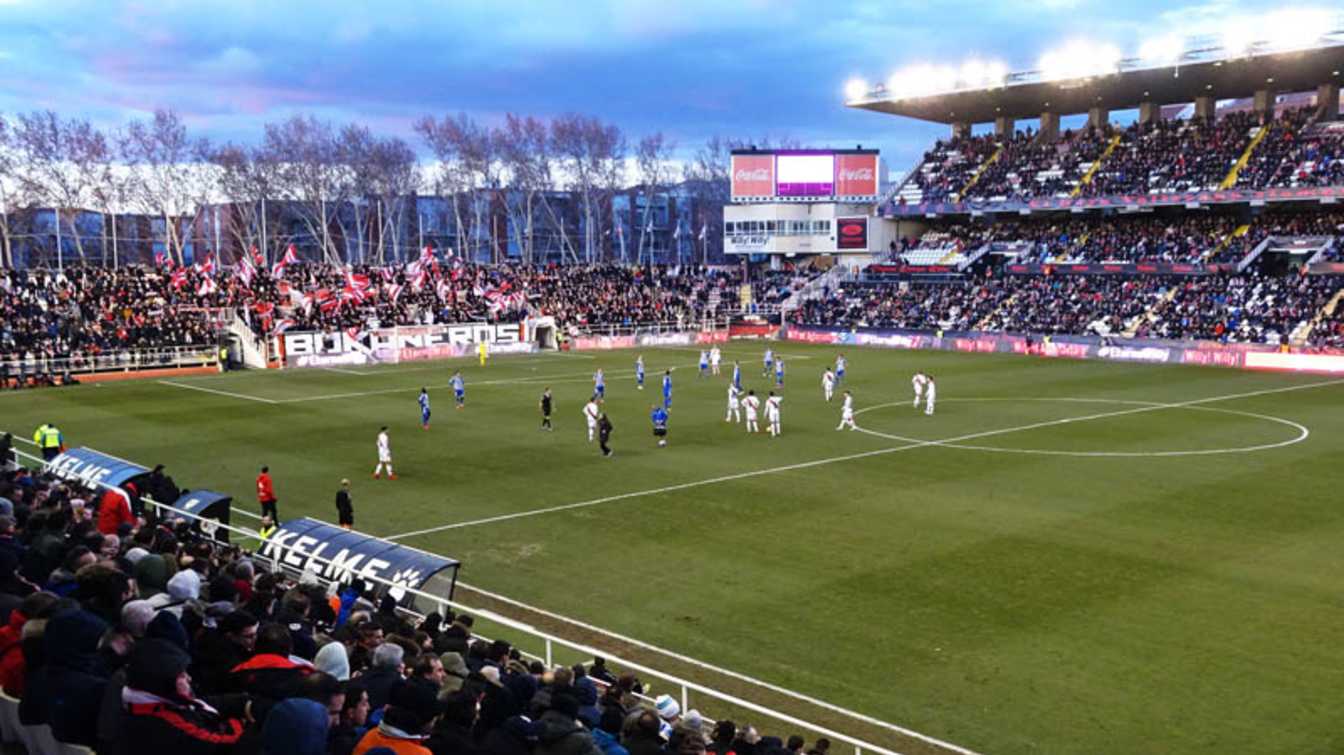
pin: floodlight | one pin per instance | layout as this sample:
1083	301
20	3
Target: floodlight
855	89
1294	28
1163	50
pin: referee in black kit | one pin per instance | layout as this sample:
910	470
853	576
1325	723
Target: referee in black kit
546	409
604	433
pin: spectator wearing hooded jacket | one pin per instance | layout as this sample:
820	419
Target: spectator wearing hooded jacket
75	677
162	713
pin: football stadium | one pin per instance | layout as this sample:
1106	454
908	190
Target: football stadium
505	434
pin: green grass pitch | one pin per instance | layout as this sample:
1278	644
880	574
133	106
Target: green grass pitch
1089	565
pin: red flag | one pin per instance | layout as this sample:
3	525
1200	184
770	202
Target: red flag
207	287
179	278
282	326
208	266
258	258
291	256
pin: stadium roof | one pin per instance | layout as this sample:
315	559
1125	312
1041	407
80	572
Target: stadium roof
1198	73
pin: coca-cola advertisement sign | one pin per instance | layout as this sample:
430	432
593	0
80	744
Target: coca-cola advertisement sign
753	176
856	175
851	234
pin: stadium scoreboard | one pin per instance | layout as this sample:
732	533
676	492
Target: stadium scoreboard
805	175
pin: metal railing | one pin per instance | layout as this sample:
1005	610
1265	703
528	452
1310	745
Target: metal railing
550	643
123	360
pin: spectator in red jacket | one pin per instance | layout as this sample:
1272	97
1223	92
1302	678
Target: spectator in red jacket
115	510
266	494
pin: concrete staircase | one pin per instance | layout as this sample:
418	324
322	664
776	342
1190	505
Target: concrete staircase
1302	332
1151	314
253	348
980	171
1092	169
1226	241
1231	179
989	318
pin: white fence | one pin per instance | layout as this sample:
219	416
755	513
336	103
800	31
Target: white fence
122	360
552	644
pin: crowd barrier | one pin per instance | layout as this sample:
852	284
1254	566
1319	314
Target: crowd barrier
1205	353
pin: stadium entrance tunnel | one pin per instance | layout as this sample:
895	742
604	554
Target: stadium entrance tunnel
1080	427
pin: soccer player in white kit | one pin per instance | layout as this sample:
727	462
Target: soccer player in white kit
828	383
752	404
384	456
847	413
772	413
733	415
590	413
715	356
930	391
918	382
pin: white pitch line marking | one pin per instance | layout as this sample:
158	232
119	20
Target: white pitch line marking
218	392
1302	431
847	457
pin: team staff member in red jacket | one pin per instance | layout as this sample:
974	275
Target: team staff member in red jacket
266	494
115	510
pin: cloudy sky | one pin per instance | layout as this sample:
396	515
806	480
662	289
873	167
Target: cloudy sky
692	68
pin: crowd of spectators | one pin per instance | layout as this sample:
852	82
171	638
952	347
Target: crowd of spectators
950	164
1191	237
1167	155
1242	308
126	634
52	322
1158	157
1030	167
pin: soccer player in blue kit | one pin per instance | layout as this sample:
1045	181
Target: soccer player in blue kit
459	389
424	409
667	389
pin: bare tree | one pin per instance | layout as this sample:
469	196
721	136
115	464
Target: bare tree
386	174
246	178
525	151
653	157
452	176
310	173
11	199
169	173
592	155
63	164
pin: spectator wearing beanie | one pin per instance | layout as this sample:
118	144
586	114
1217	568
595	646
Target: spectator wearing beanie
409	717
516	736
642	738
455	673
162	714
561	733
296	726
453	732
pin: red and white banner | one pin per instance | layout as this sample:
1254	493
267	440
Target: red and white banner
856	175
753	176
